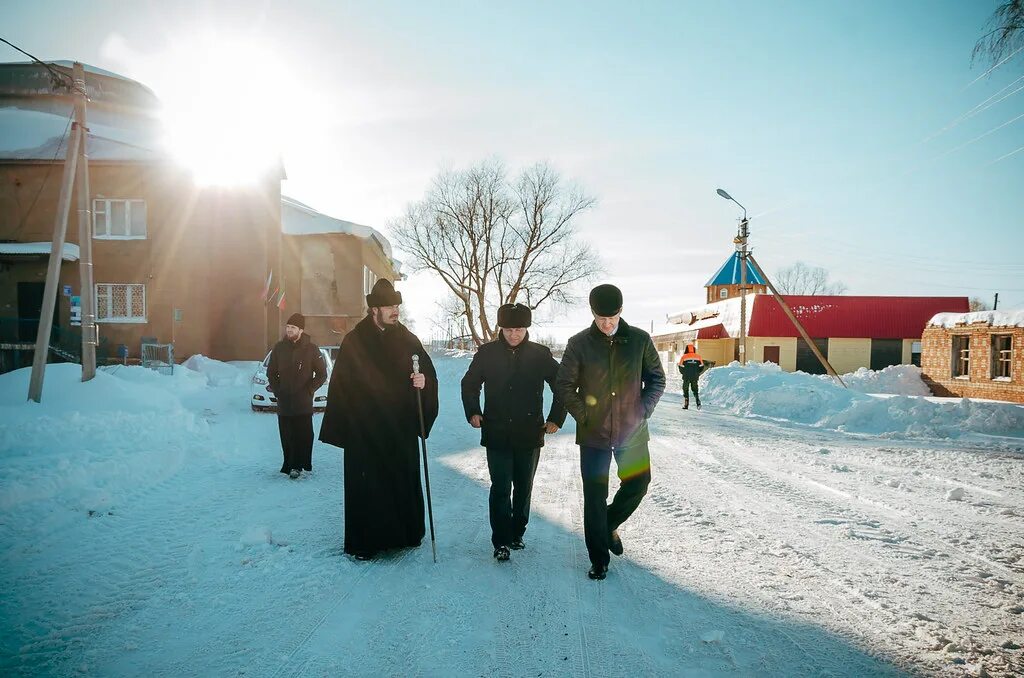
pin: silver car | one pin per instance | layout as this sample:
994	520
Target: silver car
263	400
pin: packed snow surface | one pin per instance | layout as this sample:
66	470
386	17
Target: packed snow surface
147	531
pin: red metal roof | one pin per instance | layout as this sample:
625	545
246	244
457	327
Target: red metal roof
852	317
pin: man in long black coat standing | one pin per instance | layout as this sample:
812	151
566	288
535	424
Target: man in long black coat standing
610	380
512	370
295	371
372	414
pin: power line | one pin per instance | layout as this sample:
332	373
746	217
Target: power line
55	74
1003	157
1008	57
978	108
49	169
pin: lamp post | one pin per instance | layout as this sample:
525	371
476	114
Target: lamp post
741	246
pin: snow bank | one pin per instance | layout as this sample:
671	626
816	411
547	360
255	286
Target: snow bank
87	444
64	392
218	373
764	390
896	380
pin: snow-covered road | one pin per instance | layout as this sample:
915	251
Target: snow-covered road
165	543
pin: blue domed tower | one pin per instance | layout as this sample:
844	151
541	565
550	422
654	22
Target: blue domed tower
725	284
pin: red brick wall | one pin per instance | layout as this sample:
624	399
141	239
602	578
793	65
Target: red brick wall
937	362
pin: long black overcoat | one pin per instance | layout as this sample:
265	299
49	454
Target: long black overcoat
372	414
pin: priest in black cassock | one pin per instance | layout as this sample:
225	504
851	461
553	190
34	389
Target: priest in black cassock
372	414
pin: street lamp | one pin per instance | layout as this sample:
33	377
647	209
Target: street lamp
741	246
729	197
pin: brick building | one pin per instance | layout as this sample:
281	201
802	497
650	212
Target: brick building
171	261
329	266
975	355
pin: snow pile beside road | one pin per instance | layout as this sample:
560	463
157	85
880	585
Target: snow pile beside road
896	379
764	390
218	373
87	444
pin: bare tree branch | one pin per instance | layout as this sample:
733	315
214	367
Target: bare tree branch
803	279
1005	39
493	241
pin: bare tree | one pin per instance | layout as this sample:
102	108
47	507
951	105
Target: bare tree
493	241
1005	37
803	279
978	304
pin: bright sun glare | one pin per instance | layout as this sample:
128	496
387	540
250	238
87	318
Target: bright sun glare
226	108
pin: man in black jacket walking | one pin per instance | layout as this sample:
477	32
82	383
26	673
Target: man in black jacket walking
610	380
512	370
296	370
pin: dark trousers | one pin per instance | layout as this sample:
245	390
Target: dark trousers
512	474
689	383
633	465
296	442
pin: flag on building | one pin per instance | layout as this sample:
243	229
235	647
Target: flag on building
266	288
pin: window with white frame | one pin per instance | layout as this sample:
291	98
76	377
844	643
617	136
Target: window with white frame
119	219
961	355
915	353
723	293
121	303
1002	353
369	278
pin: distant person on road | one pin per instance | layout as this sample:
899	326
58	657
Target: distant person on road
295	371
372	413
512	370
610	380
690	367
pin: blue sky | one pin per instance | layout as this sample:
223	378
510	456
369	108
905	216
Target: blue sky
821	117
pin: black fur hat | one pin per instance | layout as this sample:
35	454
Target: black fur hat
383	294
514	315
606	300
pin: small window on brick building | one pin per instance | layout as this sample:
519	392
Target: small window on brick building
961	355
723	293
915	353
1002	353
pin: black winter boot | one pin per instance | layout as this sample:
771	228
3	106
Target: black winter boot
686	403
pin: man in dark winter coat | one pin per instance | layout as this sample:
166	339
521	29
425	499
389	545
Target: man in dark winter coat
690	367
296	370
372	414
512	370
610	380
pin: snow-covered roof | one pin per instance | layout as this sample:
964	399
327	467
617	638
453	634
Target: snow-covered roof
37	248
300	219
28	134
725	313
990	318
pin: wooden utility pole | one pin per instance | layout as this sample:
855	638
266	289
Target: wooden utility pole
60	227
800	328
90	336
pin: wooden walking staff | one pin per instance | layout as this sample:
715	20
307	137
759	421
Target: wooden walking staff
423	447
